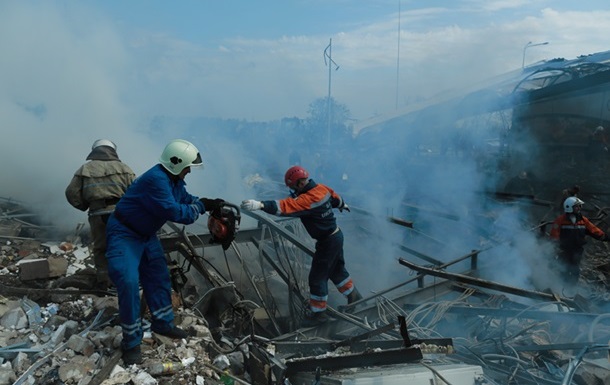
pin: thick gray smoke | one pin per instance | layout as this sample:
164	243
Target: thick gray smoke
69	76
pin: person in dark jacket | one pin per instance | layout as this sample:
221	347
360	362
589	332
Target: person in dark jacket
135	255
96	187
570	230
312	203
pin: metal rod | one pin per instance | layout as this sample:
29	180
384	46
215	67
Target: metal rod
483	283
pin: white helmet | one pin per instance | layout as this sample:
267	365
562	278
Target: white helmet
570	202
178	155
103	142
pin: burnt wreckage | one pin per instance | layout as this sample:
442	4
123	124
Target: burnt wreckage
431	314
438	320
437	326
541	119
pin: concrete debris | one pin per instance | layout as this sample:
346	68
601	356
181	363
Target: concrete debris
242	308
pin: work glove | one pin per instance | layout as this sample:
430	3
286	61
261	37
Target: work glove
251	205
211	204
343	206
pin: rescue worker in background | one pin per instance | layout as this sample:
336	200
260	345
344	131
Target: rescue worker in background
312	203
97	186
135	255
569	230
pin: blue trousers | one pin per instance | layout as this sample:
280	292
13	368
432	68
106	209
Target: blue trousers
328	263
134	260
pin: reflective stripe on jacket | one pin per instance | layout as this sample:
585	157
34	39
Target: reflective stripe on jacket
571	235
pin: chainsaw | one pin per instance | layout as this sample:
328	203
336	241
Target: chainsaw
223	223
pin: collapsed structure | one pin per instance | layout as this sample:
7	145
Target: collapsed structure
458	293
442	324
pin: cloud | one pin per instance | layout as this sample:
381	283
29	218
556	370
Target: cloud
275	77
499	5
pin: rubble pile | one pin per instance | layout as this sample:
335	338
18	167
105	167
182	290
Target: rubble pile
56	328
73	342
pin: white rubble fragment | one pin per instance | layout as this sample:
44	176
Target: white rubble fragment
117	369
144	378
81	254
118	377
29	260
53	248
187	361
222	362
74	268
199	380
33	337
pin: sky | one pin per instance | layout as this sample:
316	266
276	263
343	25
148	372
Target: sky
72	72
264	60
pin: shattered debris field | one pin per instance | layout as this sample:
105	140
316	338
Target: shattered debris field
435	310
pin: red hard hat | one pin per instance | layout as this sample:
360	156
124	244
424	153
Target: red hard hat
293	174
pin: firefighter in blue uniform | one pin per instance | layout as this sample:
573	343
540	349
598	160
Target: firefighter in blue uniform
312	203
135	255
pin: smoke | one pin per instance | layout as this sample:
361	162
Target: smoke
60	93
441	171
71	75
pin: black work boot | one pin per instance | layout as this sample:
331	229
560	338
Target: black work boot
175	333
353	296
132	356
311	318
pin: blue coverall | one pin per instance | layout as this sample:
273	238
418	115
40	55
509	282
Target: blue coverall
314	207
135	255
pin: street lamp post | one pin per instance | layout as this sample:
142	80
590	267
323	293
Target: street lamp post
398	57
529	44
328	53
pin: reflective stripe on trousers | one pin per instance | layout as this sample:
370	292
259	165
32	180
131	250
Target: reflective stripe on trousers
133	260
328	263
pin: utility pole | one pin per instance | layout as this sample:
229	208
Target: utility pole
328	53
398	57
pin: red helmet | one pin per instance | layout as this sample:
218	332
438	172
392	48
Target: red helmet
293	175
